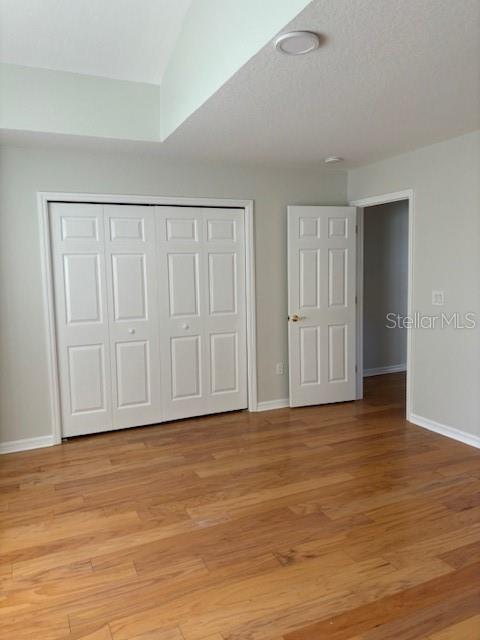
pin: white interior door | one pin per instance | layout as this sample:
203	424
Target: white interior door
131	272
321	304
77	234
202	310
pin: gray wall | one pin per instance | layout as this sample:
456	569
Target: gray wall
24	397
385	283
446	237
446	180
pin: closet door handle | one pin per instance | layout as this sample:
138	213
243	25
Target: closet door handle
131	331
296	317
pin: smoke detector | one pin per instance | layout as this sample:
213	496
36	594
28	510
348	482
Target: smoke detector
332	159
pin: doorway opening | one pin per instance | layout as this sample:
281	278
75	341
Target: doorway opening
384	310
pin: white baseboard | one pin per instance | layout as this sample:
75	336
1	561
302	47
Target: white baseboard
269	405
27	444
449	432
380	371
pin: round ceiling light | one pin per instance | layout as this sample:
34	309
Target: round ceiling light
296	43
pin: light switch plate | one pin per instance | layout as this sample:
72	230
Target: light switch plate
438	298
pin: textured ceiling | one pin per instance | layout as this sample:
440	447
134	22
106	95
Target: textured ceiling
122	39
392	76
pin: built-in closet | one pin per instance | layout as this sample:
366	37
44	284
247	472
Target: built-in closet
150	313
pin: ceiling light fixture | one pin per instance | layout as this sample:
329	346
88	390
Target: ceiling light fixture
296	43
331	159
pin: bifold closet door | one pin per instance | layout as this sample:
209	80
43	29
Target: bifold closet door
150	313
202	310
83	346
104	260
132	299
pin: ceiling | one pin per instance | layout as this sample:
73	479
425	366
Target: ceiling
120	39
392	76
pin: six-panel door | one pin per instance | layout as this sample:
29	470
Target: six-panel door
321	304
202	310
82	317
131	270
150	311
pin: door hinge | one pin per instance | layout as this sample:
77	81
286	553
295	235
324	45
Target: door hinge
356	368
356	229
356	299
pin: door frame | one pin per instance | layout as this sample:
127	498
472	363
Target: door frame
361	204
43	200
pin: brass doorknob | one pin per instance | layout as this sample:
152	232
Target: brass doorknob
295	317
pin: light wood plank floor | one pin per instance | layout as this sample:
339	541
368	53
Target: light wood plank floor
341	522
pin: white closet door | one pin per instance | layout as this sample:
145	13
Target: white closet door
202	310
130	250
82	317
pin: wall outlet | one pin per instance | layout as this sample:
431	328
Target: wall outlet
280	369
438	298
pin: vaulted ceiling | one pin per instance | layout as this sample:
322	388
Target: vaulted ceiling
117	39
202	78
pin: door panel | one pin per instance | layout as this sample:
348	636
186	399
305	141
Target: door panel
133	373
182	229
222	282
337	352
337	278
86	368
83	295
338	227
131	260
309	278
79	228
203	323
321	294
129	287
309	227
186	367
183	284
221	230
81	317
127	229
224	362
310	355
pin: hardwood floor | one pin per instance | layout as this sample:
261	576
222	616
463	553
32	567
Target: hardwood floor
341	522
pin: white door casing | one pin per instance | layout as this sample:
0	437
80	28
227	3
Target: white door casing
131	265
202	310
321	304
77	234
